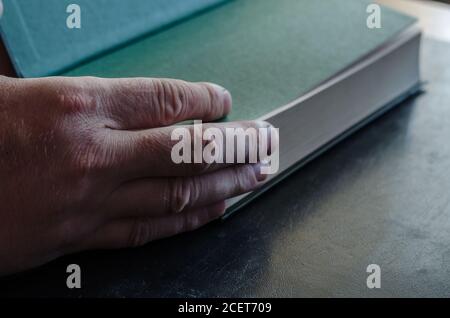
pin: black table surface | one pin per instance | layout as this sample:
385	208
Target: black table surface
382	196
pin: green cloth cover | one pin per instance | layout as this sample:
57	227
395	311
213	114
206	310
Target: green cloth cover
266	52
40	43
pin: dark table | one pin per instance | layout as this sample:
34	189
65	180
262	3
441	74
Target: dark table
381	196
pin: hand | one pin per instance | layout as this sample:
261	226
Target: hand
85	163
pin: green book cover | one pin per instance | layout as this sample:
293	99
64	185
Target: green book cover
40	43
266	52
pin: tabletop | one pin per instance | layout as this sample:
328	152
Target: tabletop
382	196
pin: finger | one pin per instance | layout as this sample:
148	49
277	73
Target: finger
133	232
157	197
152	153
142	103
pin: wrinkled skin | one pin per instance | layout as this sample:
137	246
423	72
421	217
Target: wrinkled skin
85	164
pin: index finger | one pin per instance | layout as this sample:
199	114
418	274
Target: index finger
143	103
154	153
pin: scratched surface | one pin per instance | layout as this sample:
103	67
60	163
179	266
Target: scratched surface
382	196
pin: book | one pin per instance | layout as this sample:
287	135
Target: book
40	42
314	69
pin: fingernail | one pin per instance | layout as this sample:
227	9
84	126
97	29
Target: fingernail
257	170
225	96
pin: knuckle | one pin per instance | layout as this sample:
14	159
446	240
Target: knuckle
237	180
178	195
171	98
89	157
243	179
74	100
141	232
76	95
210	98
182	193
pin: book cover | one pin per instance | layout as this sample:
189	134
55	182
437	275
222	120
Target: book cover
40	43
267	53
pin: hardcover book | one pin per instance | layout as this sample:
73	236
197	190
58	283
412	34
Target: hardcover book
315	69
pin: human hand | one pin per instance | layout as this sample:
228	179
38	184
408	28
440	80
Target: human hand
85	163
